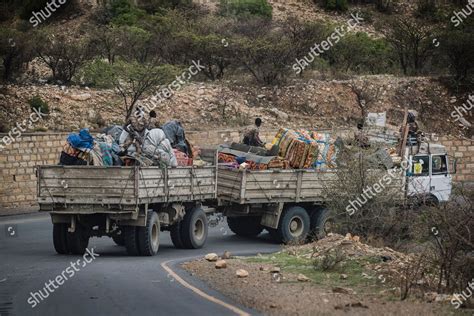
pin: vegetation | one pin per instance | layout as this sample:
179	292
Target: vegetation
245	8
39	104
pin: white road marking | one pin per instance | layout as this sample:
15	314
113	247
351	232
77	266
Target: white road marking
199	292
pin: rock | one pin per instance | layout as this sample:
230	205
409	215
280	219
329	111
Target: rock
280	114
275	270
430	296
226	255
303	278
343	276
221	264
261	96
241	273
342	290
81	97
211	257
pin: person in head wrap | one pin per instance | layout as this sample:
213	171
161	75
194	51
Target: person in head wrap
134	132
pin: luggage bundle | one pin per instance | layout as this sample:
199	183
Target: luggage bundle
307	149
133	144
295	149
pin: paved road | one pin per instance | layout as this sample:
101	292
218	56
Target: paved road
112	284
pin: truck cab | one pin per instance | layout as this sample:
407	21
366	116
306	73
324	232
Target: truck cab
429	173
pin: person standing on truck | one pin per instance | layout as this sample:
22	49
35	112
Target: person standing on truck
153	121
252	134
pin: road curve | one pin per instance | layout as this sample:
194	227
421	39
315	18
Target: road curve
113	283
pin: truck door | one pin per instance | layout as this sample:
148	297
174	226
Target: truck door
419	176
441	179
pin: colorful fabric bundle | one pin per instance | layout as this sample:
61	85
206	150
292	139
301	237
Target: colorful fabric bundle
306	149
182	158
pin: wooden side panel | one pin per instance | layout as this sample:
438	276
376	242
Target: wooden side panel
187	184
86	185
229	184
152	185
271	186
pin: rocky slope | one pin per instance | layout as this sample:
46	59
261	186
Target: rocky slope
309	103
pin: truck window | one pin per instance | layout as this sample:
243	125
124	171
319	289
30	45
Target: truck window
421	166
439	165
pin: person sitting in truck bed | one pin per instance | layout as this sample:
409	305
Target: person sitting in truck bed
134	132
252	134
174	131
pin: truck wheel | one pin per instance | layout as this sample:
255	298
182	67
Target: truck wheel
149	236
294	225
78	241
60	238
322	223
130	239
119	240
194	228
175	233
245	226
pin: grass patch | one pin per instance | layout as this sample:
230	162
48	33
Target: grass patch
358	277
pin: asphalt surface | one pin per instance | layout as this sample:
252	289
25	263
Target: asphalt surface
111	284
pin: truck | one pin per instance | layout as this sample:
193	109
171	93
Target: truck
132	205
291	204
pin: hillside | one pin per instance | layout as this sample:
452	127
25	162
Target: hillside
322	97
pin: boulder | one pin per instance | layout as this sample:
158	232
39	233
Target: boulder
241	273
211	257
303	278
221	264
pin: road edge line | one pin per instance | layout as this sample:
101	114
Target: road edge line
201	293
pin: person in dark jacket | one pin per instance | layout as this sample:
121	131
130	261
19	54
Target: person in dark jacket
252	134
174	132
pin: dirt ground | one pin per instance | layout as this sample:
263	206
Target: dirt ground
353	288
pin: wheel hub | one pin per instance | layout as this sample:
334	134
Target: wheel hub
199	229
296	226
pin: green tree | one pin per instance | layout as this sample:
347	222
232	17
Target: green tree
132	80
412	41
63	55
15	52
457	45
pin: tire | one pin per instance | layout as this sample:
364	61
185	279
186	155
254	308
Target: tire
78	241
149	236
245	226
60	238
321	223
294	225
119	240
175	233
130	240
194	228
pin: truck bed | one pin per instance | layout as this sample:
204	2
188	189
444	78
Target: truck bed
122	187
272	186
